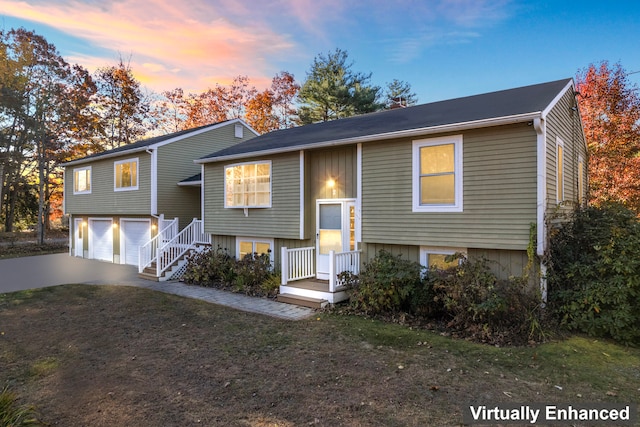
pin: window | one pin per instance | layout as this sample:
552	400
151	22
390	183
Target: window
559	170
437	174
126	175
580	180
248	185
82	180
250	245
432	257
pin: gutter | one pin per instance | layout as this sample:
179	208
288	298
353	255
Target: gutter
108	155
476	124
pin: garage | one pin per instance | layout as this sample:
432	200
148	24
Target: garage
101	239
133	234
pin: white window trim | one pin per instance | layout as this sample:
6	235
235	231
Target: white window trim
457	206
425	251
580	199
254	240
132	188
249	206
560	195
86	168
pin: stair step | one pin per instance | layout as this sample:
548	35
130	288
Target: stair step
149	276
302	301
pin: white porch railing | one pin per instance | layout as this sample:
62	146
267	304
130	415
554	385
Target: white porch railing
340	262
147	252
297	264
182	242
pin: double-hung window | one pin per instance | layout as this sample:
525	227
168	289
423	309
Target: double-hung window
248	185
437	174
82	180
126	175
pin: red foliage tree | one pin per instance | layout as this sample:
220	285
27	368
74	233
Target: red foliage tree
610	110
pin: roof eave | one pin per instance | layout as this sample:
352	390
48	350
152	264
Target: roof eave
108	155
475	124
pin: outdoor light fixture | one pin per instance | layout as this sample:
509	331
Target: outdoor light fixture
331	183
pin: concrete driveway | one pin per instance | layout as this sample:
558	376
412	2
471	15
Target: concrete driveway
18	274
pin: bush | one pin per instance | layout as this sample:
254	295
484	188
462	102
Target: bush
481	306
251	275
386	284
594	272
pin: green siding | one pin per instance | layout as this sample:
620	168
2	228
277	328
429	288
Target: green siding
564	122
176	162
281	220
339	165
499	194
103	199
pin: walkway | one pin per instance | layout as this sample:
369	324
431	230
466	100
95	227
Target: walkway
51	270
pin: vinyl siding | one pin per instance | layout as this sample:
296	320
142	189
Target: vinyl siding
281	220
103	199
499	194
175	163
565	123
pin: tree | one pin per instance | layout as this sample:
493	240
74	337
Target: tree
333	90
121	104
273	108
43	109
398	94
610	109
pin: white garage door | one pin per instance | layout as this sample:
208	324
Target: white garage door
133	234
101	239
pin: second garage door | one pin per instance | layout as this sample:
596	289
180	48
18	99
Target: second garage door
133	234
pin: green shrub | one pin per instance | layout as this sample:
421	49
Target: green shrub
481	306
216	268
13	414
210	268
386	284
594	272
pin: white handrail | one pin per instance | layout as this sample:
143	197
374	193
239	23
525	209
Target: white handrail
147	252
171	251
297	264
341	262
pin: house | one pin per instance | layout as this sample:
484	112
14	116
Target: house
474	175
134	196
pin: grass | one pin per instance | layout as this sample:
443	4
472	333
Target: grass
107	355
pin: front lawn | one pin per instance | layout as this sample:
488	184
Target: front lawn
109	355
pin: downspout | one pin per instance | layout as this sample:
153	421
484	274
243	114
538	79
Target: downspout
154	181
539	124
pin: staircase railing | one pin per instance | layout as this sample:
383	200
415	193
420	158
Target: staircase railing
184	241
147	252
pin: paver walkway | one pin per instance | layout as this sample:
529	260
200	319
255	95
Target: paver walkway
58	269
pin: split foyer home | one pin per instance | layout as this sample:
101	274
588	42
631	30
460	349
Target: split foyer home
119	200
475	175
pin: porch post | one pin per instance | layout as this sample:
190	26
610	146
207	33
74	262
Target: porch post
332	271
284	266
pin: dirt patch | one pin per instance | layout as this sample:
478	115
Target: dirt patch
105	356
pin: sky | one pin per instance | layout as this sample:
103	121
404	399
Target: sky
443	48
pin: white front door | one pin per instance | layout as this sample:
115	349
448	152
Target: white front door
78	232
335	231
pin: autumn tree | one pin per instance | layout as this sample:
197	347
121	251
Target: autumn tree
333	90
398	94
273	108
169	111
610	109
43	110
122	105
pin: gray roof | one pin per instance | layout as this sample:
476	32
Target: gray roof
145	143
521	102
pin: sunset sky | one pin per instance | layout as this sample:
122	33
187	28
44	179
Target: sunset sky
443	48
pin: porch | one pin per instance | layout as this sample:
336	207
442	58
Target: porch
301	278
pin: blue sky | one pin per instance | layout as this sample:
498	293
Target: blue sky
443	48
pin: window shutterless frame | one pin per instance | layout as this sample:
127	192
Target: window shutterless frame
125	174
82	180
433	166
